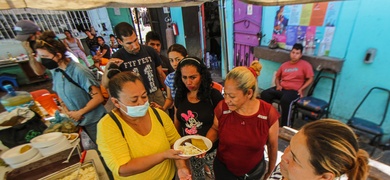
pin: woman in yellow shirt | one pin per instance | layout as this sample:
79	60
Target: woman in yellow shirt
138	145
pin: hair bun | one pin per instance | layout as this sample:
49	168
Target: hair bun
112	72
113	66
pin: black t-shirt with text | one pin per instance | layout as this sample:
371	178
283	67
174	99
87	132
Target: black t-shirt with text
144	63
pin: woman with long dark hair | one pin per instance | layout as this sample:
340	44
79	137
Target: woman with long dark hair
194	108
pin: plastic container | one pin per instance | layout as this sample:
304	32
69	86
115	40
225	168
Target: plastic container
15	99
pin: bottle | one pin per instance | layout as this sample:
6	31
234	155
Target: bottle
208	60
9	55
15	99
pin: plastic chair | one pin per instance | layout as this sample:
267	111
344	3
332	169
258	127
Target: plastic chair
38	93
48	103
315	108
10	78
46	99
373	128
217	86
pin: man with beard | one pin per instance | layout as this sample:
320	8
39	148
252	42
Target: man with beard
141	59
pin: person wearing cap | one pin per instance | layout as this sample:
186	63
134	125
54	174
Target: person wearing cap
28	32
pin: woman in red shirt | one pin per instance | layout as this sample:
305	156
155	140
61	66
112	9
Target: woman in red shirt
244	126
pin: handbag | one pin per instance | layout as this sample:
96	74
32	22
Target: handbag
86	141
20	126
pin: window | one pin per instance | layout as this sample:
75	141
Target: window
56	21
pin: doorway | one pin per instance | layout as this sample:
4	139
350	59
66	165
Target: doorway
212	35
141	22
192	31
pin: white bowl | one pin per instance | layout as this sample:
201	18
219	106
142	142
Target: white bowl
71	136
180	141
13	156
60	146
46	140
33	159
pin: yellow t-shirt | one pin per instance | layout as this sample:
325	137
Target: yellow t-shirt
117	152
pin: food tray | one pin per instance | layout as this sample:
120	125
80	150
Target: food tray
69	170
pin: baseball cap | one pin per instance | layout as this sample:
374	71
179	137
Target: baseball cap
24	29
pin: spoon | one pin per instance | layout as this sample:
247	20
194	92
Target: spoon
71	152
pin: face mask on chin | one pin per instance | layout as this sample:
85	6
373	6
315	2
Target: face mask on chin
49	63
136	111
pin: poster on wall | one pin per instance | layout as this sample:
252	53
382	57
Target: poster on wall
312	25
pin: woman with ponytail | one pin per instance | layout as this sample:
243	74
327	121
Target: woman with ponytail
324	149
135	139
78	89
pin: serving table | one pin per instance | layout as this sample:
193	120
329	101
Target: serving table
53	163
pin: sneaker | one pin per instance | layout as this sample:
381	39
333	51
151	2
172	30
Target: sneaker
92	67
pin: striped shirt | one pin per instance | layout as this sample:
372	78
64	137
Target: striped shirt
170	81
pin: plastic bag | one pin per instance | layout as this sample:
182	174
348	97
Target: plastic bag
20	126
86	141
61	123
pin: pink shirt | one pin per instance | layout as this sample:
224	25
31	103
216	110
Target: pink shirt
293	76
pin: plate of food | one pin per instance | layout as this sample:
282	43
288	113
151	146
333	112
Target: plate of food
193	145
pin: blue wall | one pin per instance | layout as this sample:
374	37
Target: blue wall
361	24
229	12
177	17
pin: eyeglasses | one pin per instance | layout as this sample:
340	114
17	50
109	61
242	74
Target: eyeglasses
42	43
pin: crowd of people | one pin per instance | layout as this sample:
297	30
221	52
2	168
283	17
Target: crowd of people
136	135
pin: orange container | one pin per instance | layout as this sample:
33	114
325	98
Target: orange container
47	102
103	61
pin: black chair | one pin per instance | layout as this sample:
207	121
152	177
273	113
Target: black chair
373	128
313	108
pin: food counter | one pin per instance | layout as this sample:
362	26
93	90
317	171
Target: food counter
53	164
21	69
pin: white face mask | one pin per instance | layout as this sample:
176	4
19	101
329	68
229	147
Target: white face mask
136	111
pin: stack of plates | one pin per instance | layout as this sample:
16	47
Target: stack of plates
50	143
21	155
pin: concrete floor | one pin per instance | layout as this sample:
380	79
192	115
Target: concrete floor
382	156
